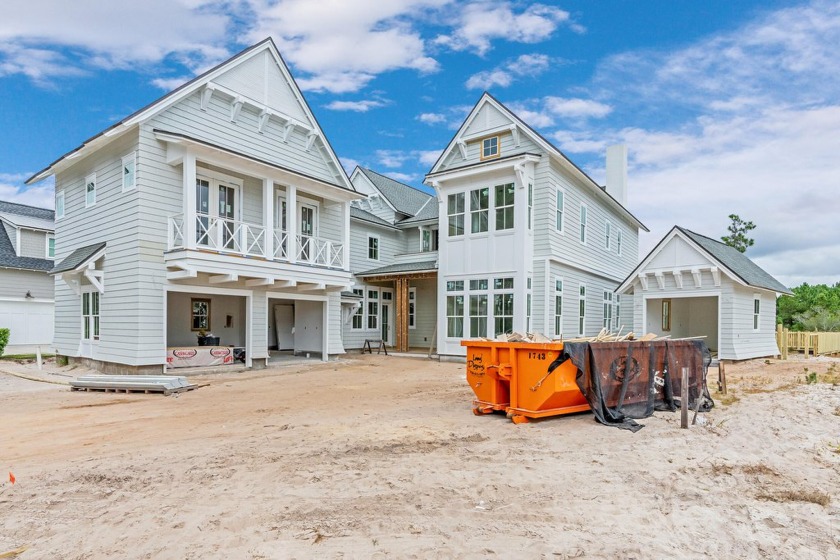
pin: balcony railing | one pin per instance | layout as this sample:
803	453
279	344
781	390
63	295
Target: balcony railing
236	237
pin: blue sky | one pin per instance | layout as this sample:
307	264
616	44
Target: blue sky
726	107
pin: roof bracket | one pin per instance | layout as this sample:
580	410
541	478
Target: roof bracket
514	130
264	116
310	139
678	278
206	95
462	147
644	282
716	276
287	130
698	278
660	280
235	108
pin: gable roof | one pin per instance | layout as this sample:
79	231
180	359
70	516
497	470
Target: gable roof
366	216
430	211
79	258
22	213
737	264
538	139
183	91
29	222
405	199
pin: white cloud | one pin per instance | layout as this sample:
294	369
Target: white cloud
431	118
398	158
575	107
356	106
349	164
530	65
479	23
428	157
168	84
40	194
403	177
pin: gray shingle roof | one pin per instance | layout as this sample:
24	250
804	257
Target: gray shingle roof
77	258
737	262
429	211
30	222
8	256
368	217
425	266
404	198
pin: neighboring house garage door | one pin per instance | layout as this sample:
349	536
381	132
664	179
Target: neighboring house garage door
30	322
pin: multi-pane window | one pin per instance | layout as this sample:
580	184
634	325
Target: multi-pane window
503	313
50	247
129	175
607	235
359	315
608	309
90	190
666	314
617	314
504	206
490	147
583	223
479	209
528	312
455	286
558	307
59	205
530	203
503	284
582	310
477	285
373	309
618	242
455	316
200	314
90	315
756	312
455	206
561	203
412	308
430	240
373	248
478	315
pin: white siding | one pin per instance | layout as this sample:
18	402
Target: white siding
33	243
15	283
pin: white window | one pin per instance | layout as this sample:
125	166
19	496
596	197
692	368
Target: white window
455	286
412	308
430	240
561	203
582	223
490	147
582	310
607	235
617	314
455	316
504	206
90	190
502	305
479	209
90	315
756	312
666	314
478	315
530	204
373	248
455	207
59	205
129	175
618	241
50	246
373	309
359	315
608	309
558	307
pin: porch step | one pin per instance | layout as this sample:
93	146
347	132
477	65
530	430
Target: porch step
166	384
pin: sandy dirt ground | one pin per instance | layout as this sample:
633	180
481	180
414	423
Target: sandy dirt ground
381	457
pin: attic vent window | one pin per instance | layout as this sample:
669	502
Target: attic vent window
490	147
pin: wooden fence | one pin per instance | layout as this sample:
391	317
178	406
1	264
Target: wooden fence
816	343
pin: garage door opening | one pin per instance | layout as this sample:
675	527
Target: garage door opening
295	329
684	317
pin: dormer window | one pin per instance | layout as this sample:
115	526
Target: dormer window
490	147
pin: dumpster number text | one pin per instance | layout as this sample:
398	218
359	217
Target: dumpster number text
536	355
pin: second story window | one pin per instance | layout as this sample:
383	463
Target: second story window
50	247
129	177
90	190
490	147
530	203
561	203
618	242
582	223
455	207
504	206
430	240
479	208
607	235
373	248
59	205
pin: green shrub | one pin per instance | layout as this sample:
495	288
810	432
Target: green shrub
4	339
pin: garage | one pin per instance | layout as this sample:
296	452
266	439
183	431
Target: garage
683	317
30	323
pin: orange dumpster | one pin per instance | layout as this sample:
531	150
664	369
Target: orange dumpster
524	379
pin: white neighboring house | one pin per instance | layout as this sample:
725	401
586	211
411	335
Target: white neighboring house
219	207
27	249
528	241
393	256
692	285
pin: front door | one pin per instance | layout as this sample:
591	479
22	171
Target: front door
227	213
281	228
307	231
216	214
385	313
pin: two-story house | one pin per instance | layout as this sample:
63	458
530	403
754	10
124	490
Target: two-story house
393	256
220	209
27	249
528	241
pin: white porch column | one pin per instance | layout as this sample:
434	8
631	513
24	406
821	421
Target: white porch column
291	221
268	216
345	212
189	199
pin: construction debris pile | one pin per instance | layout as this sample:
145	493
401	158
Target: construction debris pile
604	336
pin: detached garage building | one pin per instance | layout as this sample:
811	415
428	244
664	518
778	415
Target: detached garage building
27	249
692	285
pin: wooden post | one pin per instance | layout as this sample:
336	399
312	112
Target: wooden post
684	399
401	286
721	377
779	335
38	357
807	338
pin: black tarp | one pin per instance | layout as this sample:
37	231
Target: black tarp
627	380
